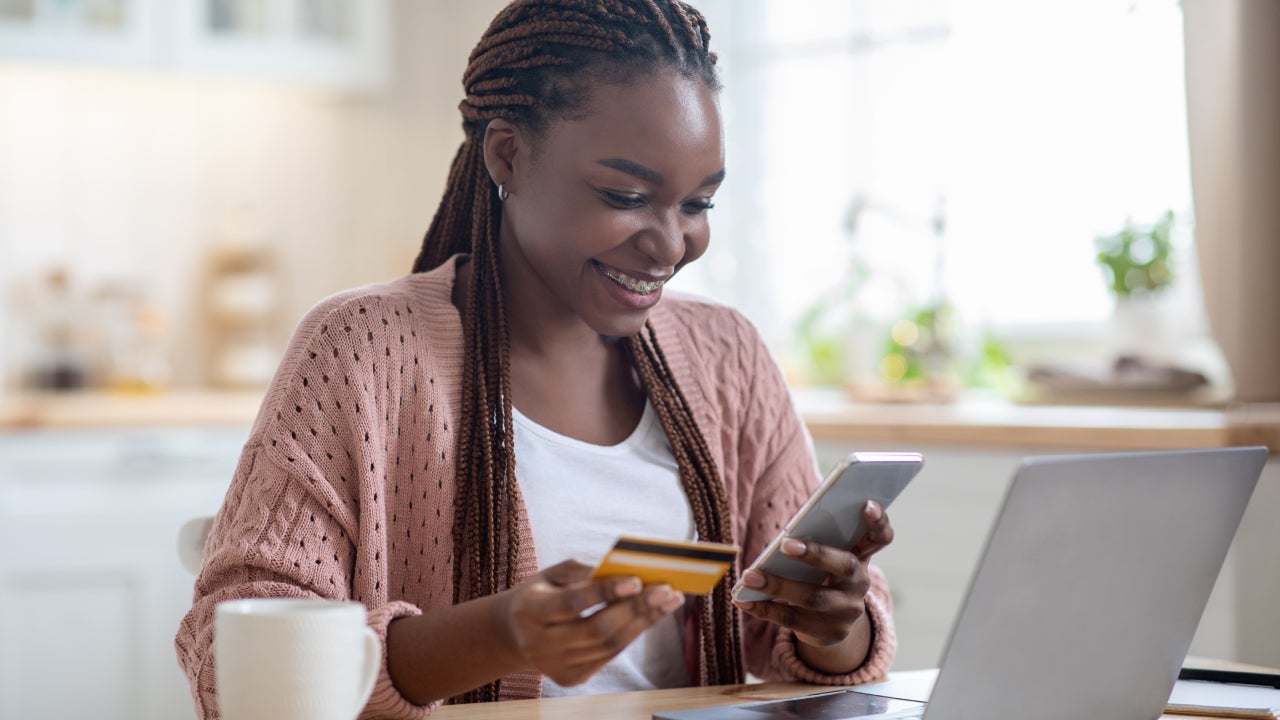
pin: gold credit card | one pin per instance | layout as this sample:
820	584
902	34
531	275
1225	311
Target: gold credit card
690	567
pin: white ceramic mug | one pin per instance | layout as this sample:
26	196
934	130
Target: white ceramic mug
289	659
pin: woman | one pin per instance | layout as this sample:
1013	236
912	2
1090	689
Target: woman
440	446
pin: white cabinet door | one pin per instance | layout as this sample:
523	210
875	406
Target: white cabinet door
91	589
340	43
96	31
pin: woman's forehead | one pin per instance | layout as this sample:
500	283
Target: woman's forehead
667	119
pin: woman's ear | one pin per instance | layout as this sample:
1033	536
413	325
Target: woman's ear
502	144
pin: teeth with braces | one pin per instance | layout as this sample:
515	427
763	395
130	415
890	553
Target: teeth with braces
641	287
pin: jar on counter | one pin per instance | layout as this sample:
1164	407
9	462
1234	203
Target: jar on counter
59	359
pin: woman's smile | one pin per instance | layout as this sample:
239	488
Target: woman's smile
631	281
628	290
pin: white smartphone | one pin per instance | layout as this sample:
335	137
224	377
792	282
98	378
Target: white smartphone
833	513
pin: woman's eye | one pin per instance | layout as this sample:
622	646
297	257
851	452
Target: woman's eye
693	207
624	200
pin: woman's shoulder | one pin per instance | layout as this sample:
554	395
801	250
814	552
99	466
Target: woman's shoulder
363	339
713	350
705	324
428	294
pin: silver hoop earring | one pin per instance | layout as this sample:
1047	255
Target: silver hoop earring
502	192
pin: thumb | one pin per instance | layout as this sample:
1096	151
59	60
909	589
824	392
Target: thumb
567	573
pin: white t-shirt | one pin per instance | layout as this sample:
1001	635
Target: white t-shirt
580	498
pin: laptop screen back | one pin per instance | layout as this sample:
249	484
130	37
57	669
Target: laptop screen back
1092	584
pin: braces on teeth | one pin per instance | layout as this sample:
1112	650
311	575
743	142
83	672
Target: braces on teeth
636	286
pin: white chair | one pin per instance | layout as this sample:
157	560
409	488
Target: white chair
191	538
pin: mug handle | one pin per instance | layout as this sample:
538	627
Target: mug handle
372	664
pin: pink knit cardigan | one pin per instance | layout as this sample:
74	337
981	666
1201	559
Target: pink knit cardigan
345	488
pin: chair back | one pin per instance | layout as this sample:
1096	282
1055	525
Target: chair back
191	539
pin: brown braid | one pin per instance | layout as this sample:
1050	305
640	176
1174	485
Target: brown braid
536	64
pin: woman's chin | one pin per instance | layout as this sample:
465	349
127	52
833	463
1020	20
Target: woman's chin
619	326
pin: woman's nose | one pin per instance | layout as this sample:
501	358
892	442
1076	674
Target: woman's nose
666	242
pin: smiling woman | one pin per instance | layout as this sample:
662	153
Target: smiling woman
609	206
383	466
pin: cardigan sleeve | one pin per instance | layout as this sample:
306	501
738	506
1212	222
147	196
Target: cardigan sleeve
277	536
777	471
306	514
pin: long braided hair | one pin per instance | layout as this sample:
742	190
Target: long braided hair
534	65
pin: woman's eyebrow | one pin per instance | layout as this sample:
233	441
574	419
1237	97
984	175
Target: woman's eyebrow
635	169
650	175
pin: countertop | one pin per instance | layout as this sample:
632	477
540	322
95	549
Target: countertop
81	410
831	416
977	420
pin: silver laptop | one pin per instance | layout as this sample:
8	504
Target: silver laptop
1091	586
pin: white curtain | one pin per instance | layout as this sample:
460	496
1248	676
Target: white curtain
1233	106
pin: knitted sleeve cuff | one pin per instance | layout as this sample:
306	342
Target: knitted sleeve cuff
884	643
386	701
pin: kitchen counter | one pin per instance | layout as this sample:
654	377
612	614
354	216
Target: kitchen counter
84	410
970	421
988	421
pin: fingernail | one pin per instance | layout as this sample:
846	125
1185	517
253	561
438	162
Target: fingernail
873	510
674	601
660	596
753	579
627	587
792	547
744	604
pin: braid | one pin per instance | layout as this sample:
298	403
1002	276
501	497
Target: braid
533	66
712	517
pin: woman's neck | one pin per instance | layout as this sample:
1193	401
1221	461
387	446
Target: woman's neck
570	380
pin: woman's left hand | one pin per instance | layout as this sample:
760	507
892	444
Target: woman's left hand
823	614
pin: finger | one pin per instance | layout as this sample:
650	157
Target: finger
879	531
822	628
831	596
581	641
567	573
832	560
607	632
566	604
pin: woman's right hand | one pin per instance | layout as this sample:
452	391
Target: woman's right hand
552	632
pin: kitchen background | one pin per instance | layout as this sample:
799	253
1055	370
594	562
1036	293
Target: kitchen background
938	213
172	202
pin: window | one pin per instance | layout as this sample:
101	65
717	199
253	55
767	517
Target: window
900	152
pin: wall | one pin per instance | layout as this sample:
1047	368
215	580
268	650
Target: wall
136	174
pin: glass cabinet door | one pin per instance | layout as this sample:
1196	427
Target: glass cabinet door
325	42
102	31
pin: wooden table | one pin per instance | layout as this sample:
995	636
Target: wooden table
642	705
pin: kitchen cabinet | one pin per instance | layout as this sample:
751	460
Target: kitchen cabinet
325	42
91	588
331	43
87	31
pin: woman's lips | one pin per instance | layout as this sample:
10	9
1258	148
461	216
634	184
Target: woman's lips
637	285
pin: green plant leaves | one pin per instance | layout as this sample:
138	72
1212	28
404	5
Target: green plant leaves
1138	258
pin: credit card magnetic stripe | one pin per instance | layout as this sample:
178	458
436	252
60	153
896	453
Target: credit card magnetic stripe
696	552
687	568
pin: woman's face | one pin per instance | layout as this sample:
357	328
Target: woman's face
606	208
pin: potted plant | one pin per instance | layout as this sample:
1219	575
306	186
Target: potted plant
1137	260
1137	266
